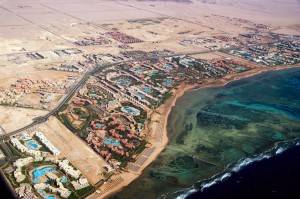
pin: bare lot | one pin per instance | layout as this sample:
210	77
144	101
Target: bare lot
81	155
13	118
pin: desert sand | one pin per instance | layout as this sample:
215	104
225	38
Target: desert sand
13	118
77	152
49	25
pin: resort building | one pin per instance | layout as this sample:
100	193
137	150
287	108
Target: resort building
47	143
16	143
25	191
69	170
80	184
61	190
22	162
18	175
44	173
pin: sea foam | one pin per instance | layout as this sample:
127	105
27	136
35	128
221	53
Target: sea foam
239	165
186	193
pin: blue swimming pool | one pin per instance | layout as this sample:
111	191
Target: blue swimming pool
124	82
99	125
240	68
145	89
167	67
130	110
168	82
93	95
140	96
109	141
32	144
45	195
153	73
41	172
64	179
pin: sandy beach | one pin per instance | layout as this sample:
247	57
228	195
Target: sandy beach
157	128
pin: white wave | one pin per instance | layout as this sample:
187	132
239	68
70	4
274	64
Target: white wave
247	161
225	176
215	181
209	184
280	150
241	164
186	194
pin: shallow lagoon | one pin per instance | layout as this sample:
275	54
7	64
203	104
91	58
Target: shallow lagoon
211	128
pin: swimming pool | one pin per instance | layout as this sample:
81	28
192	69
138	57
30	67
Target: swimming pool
240	68
153	73
64	179
124	82
32	144
168	82
145	89
41	172
167	67
130	110
93	95
109	141
140	96
99	125
45	195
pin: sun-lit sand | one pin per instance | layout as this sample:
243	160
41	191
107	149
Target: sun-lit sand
49	25
13	118
79	154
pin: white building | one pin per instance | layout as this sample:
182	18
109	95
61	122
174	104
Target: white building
18	175
69	170
24	191
80	184
16	143
47	143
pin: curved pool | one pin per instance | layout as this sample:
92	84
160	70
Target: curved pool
41	172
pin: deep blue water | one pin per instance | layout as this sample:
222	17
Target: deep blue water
273	178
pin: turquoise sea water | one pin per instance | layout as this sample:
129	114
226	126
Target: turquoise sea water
209	129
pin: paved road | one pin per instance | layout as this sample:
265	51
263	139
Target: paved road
9	154
44	118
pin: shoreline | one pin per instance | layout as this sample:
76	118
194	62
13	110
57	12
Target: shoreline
238	76
160	117
160	114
